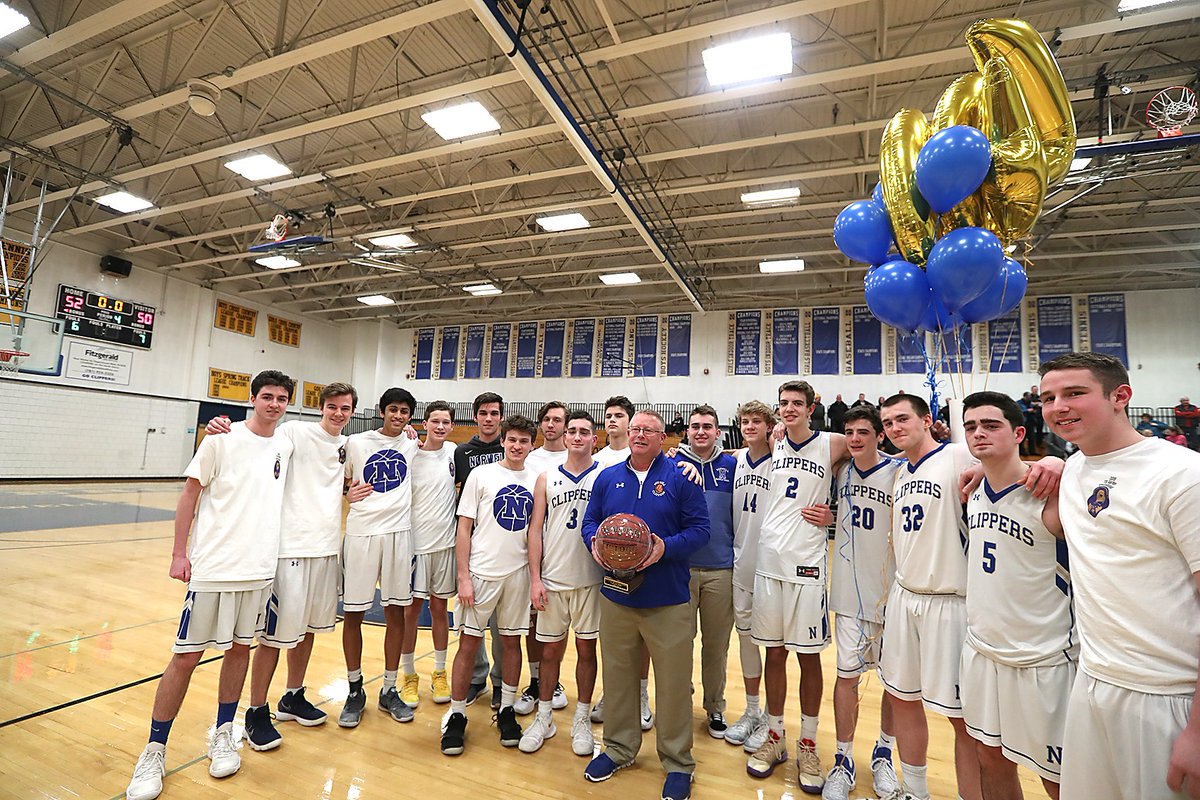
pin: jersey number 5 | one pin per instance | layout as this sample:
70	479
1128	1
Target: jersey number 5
989	557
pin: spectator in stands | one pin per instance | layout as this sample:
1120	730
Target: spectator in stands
861	401
837	415
1173	434
1031	407
1187	417
817	418
879	403
677	426
1151	425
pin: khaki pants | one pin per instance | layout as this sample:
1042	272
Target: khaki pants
712	596
668	635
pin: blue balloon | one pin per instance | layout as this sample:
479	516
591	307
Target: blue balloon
877	196
863	232
897	294
937	318
963	264
1001	297
951	166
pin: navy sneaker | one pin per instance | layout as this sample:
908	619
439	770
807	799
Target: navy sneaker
259	733
678	786
294	705
601	768
474	690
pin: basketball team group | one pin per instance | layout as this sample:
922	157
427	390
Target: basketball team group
1049	610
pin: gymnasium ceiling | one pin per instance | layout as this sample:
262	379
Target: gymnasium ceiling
335	90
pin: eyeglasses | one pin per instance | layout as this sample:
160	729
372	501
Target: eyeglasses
638	430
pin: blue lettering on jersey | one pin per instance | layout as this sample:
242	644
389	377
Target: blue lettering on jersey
512	506
385	470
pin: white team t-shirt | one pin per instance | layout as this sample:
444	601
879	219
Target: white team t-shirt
929	526
543	460
751	482
789	548
1018	581
863	566
566	561
500	501
385	462
1132	519
312	494
608	457
433	519
235	537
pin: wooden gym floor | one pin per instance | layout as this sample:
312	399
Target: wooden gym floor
87	619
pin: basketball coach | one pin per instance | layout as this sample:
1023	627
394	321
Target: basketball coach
650	607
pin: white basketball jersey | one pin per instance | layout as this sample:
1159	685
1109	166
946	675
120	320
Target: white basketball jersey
929	526
311	526
1018	582
1132	519
566	561
863	566
790	549
500	500
607	456
385	462
751	483
543	460
434	499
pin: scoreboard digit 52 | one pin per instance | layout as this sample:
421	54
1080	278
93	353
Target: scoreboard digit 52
93	315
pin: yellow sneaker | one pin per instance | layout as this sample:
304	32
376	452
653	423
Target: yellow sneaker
408	692
441	686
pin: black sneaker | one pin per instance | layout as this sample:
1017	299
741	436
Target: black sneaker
716	725
294	705
353	710
454	737
496	695
510	729
474	690
259	732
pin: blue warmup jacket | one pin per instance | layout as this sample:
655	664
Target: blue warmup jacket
718	495
674	509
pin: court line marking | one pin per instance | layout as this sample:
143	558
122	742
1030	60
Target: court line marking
76	544
89	636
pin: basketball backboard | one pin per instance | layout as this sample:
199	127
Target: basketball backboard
40	337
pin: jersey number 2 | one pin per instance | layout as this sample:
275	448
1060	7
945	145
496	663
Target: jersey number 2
913	517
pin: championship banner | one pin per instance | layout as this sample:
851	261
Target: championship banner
910	355
1054	328
312	394
423	368
747	335
867	334
823	344
678	344
473	354
552	349
224	384
526	349
583	340
612	348
955	349
448	355
785	341
1106	321
846	337
1004	343
645	346
498	355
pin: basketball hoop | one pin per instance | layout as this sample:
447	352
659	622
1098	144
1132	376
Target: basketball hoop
1171	109
278	229
10	362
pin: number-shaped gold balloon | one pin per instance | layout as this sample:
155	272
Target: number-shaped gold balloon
912	219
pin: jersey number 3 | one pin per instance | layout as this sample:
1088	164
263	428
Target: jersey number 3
573	520
913	517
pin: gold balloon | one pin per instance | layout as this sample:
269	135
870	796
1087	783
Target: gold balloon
1015	188
964	103
912	219
1016	44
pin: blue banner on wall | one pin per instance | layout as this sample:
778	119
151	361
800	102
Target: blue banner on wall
526	349
1004	342
645	346
473	361
679	344
910	358
826	325
552	351
747	338
501	341
448	359
956	350
583	339
425	354
612	348
868	342
1106	321
1054	327
785	341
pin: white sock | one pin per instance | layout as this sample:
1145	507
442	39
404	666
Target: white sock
535	667
458	707
354	675
645	686
439	660
775	723
545	708
752	703
389	679
914	780
808	727
581	709
406	663
294	689
508	695
846	749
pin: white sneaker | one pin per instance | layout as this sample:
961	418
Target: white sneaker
884	774
541	729
147	780
647	714
839	784
900	794
739	731
224	759
527	702
597	715
583	741
559	699
757	736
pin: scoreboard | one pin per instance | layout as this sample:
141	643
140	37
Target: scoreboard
93	315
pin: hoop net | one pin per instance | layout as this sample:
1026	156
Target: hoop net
10	362
278	229
1171	109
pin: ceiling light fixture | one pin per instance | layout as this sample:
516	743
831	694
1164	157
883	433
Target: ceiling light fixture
124	202
620	278
394	240
457	122
277	262
488	292
11	20
203	96
257	167
563	222
1125	6
784	265
771	197
749	60
1079	163
376	300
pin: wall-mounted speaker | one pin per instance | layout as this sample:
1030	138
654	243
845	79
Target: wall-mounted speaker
118	267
